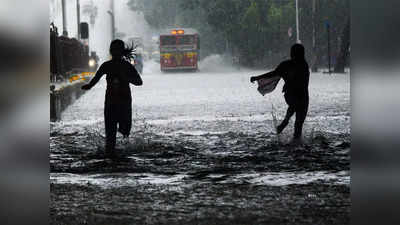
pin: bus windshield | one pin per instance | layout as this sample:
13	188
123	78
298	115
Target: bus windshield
177	40
186	40
168	40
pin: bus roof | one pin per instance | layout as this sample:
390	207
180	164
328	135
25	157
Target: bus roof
186	31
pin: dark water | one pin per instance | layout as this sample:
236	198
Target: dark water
203	151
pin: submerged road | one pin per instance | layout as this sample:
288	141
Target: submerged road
203	149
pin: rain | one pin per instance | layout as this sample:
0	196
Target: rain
203	146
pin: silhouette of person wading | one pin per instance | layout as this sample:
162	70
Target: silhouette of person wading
296	74
118	99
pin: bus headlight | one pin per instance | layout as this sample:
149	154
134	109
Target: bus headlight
92	62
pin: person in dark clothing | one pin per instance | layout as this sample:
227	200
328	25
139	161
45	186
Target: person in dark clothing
118	99
296	74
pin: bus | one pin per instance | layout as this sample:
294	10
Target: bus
179	49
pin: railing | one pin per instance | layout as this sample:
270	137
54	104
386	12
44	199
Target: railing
66	56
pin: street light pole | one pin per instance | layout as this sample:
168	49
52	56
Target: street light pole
328	26
112	24
78	18
297	22
64	17
112	14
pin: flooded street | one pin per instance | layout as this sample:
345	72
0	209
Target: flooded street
203	150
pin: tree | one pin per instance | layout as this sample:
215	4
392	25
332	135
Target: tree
254	30
159	14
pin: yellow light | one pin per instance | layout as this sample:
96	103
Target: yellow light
190	54
166	55
92	63
173	32
181	32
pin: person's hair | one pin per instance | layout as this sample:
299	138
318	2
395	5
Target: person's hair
119	50
297	52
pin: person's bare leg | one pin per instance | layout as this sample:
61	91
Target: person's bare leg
301	113
111	130
125	121
289	113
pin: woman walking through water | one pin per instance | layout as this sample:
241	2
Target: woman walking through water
296	74
118	99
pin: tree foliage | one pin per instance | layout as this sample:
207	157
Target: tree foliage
256	31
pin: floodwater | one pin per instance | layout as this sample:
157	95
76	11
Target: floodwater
203	150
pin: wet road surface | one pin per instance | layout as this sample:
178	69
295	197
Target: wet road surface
203	150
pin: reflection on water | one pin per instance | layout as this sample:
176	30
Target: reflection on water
203	145
113	180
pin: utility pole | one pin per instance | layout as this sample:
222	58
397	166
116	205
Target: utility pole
329	46
111	12
78	18
297	22
112	6
313	25
314	41
64	17
112	24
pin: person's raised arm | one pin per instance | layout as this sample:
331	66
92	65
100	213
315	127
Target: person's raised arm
134	76
265	75
100	72
277	72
